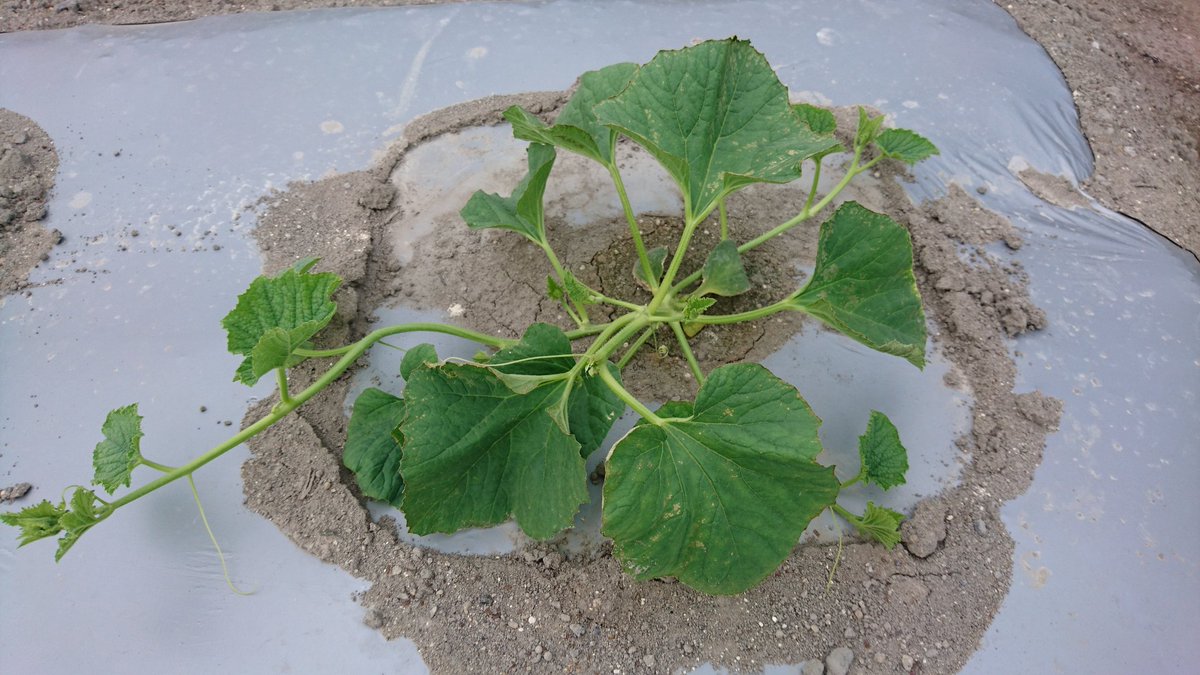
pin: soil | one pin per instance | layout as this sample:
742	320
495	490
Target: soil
923	607
28	164
549	608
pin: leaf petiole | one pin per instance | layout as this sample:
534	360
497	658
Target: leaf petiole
634	231
284	396
677	328
629	399
633	348
156	466
725	216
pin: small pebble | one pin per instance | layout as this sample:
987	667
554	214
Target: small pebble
839	660
906	662
880	658
812	667
203	408
980	527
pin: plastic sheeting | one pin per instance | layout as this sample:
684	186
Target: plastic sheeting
209	115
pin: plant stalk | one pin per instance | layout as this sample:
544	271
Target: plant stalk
677	328
634	231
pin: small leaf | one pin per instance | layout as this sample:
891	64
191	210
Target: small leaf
575	290
522	210
78	519
554	289
277	315
716	117
868	129
694	307
719	498
907	146
723	271
657	257
373	452
119	453
863	284
421	355
880	524
820	120
576	129
884	459
36	522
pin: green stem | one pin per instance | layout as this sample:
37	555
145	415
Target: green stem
156	466
284	396
284	409
587	331
629	399
322	353
633	349
815	183
677	328
582	319
724	219
752	315
634	231
614	342
837	508
804	215
664	290
852	481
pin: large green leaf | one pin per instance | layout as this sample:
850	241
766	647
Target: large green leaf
544	351
577	129
373	446
522	210
483	442
863	283
820	120
718	499
275	316
884	459
476	452
716	117
119	453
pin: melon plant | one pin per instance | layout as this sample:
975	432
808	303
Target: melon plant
714	491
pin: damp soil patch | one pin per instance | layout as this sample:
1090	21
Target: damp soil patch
549	607
28	164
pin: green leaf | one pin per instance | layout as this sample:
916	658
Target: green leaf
904	145
868	129
554	289
576	129
522	210
723	271
884	459
718	499
78	519
880	524
694	307
716	117
863	283
820	120
476	452
657	257
36	522
119	453
575	290
591	407
373	451
277	315
421	355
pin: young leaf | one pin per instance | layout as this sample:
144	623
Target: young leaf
372	450
576	129
718	499
36	522
554	289
723	271
884	459
522	210
694	307
657	256
576	291
476	452
77	520
863	284
716	117
421	355
119	453
820	120
907	146
275	316
868	129
880	524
